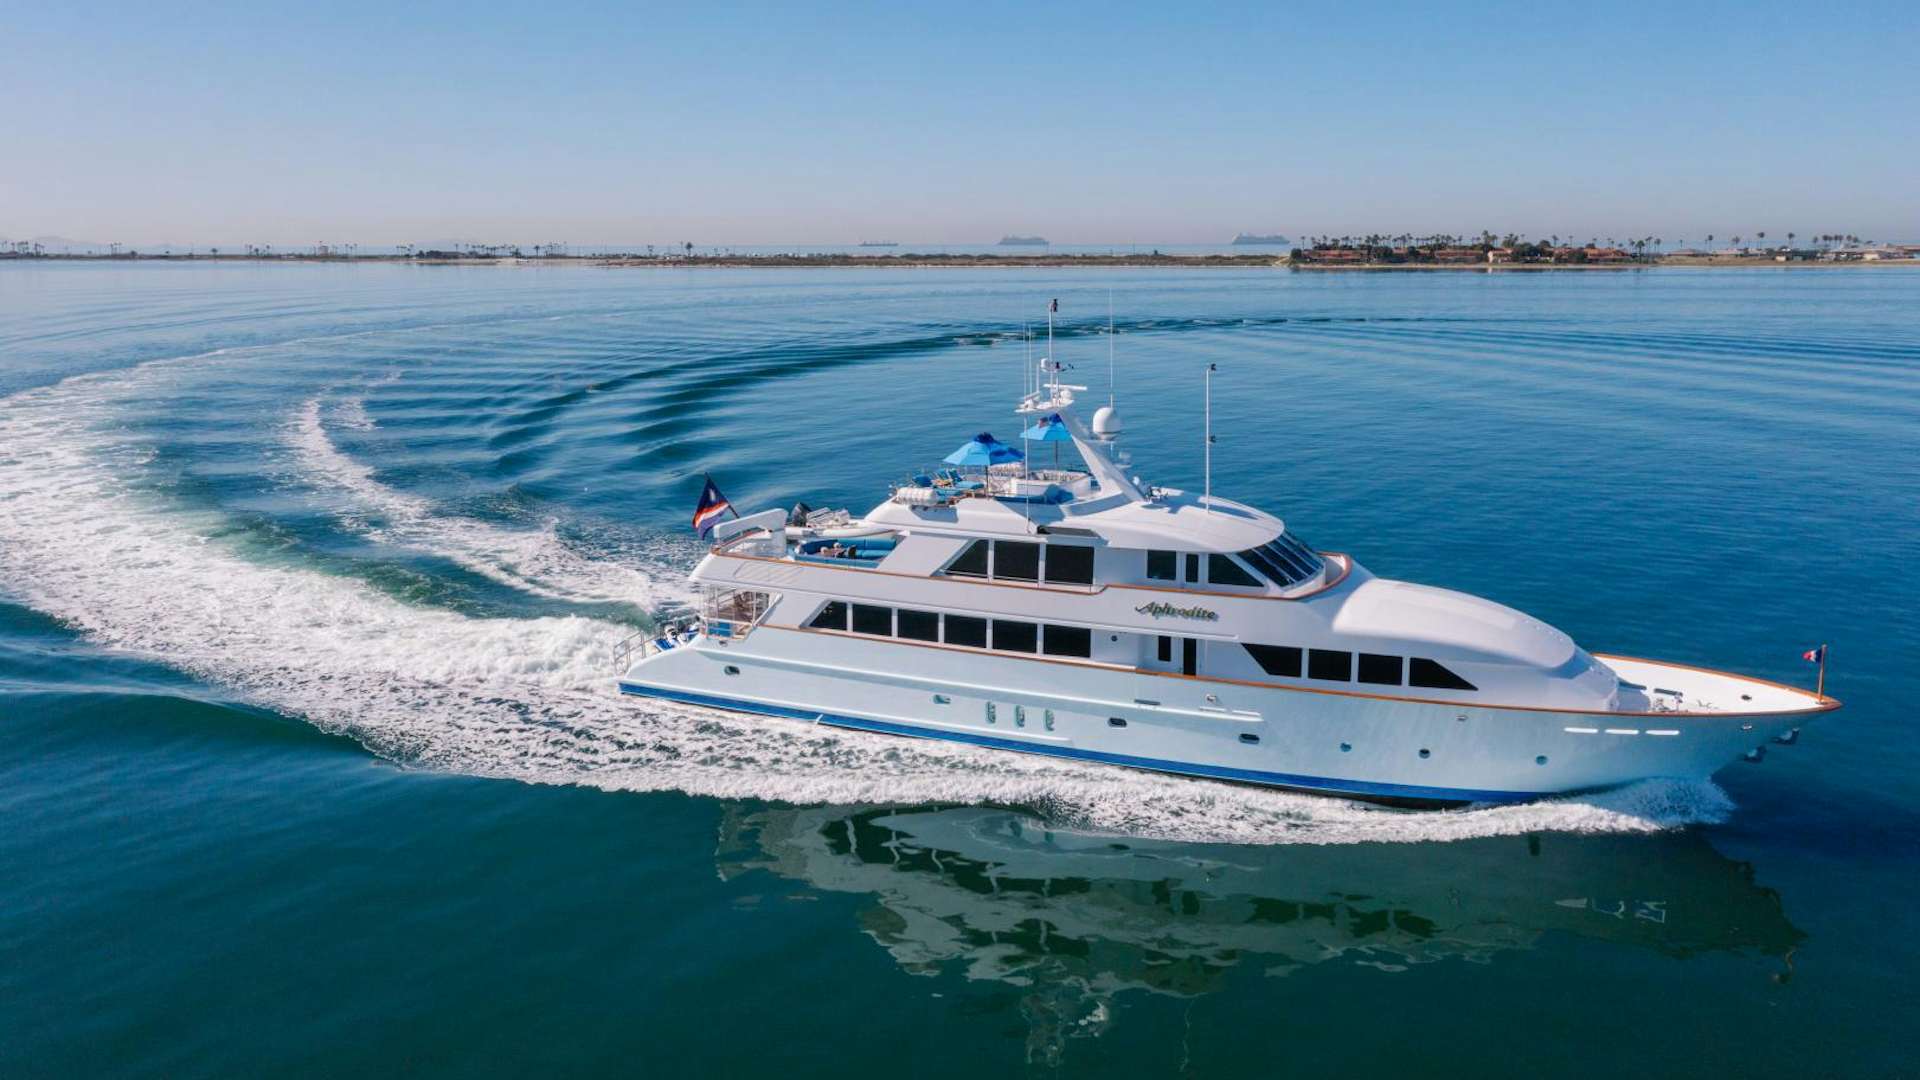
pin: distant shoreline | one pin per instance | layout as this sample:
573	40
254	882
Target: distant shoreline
911	261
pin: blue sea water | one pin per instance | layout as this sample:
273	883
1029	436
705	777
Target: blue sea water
310	763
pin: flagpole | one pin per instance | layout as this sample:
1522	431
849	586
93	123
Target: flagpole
1820	686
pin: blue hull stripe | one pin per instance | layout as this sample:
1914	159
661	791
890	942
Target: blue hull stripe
1217	772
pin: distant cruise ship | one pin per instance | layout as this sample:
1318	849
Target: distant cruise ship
1023	241
1083	613
1257	240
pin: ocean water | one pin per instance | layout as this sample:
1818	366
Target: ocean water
310	760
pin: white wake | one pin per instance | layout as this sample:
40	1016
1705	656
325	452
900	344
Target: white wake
531	699
534	561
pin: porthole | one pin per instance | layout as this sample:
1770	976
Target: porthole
942	699
1114	721
1250	740
1425	753
1346	748
731	670
1541	760
1019	716
1048	719
990	712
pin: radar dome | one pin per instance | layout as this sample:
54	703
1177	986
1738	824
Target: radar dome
1106	422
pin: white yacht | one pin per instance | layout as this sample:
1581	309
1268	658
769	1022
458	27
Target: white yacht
1083	613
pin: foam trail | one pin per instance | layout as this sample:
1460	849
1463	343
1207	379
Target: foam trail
537	562
530	699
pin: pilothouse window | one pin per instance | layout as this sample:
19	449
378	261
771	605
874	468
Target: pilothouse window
1222	570
1162	565
1285	560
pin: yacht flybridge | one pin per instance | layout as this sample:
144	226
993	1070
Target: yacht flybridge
1082	613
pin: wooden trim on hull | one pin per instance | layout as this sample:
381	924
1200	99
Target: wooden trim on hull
1824	704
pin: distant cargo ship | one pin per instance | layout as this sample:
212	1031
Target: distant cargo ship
879	243
1023	241
1257	240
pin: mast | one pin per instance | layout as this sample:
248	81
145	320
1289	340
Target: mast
1207	498
1109	348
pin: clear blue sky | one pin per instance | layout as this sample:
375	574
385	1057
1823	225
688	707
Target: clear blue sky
955	122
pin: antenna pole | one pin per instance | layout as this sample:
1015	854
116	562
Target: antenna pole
1109	348
1026	365
1051	308
1207	499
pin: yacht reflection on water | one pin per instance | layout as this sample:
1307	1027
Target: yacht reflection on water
1078	919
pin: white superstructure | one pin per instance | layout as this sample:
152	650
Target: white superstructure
1083	613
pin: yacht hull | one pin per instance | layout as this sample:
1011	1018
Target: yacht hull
1340	743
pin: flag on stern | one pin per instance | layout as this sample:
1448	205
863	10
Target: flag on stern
1814	656
712	505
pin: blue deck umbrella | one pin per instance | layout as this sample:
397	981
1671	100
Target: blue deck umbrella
983	450
1051	429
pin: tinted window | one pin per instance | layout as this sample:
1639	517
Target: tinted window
1162	566
868	619
831	617
1222	570
1166	649
919	625
1015	636
1016	560
1193	568
1259	560
966	630
1432	675
1070	565
1333	664
1286	562
1289	546
972	562
1069	641
1379	670
1281	660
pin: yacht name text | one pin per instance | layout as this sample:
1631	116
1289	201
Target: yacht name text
1159	611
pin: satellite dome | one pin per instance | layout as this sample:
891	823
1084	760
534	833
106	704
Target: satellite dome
1106	422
